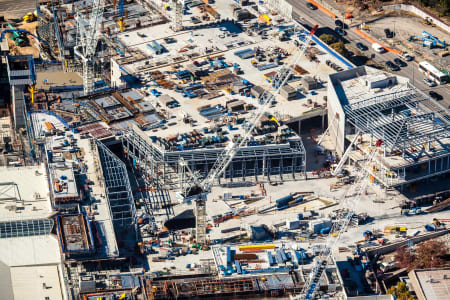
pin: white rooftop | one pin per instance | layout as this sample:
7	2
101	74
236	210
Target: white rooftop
33	188
356	88
30	250
37	282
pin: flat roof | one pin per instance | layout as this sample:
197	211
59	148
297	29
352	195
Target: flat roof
75	233
433	284
47	79
222	40
33	192
356	90
30	250
37	282
65	178
38	120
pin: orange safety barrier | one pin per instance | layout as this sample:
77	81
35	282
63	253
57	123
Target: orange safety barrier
374	41
323	9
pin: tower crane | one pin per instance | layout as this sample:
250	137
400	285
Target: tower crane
87	39
339	227
200	189
178	6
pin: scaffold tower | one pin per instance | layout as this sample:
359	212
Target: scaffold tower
177	15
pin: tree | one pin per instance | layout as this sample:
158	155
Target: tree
443	7
328	38
429	254
404	257
401	292
339	47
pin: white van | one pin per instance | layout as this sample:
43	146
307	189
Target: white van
378	48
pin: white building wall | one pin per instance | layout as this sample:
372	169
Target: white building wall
338	124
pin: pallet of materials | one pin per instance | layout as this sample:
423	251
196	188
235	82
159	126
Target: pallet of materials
267	66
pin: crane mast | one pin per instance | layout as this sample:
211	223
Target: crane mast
339	227
87	39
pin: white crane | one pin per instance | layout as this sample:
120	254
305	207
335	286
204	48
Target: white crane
339	227
227	155
87	39
177	22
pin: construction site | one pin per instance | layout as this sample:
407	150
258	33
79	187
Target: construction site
156	149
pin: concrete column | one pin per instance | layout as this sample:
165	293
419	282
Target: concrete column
323	122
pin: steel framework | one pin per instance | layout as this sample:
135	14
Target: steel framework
402	120
206	287
10	191
177	24
87	39
118	189
250	162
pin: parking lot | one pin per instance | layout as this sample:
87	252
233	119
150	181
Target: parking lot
405	27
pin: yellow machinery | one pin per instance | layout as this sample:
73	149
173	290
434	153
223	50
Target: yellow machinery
275	120
30	17
364	26
121	24
31	89
394	229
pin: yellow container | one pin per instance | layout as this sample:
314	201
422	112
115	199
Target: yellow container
252	247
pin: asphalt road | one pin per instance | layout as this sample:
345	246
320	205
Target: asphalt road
16	8
309	17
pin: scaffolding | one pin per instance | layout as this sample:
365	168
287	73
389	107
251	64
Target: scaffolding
118	189
251	163
200	219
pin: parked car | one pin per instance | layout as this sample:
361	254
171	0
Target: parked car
339	23
406	56
340	31
378	48
361	46
399	62
311	6
392	66
389	34
435	95
429	82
